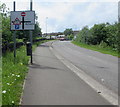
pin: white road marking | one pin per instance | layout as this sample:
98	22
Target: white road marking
109	95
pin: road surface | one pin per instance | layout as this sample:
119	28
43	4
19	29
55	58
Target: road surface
102	67
50	82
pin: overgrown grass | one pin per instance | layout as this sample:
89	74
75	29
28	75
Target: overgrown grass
13	75
0	80
105	50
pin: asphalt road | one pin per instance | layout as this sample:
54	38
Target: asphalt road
102	67
50	82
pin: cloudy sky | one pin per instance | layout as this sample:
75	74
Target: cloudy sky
75	14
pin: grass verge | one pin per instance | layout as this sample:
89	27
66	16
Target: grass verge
105	50
13	75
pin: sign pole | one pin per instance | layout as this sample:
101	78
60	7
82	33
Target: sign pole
119	12
30	32
14	37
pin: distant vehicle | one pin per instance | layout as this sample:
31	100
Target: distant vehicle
61	39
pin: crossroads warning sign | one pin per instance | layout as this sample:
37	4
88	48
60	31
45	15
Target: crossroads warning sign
22	20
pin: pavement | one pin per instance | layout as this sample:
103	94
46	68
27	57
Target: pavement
50	82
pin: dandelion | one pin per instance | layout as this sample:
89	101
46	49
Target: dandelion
12	101
4	91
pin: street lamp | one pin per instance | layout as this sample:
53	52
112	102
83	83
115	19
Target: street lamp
46	26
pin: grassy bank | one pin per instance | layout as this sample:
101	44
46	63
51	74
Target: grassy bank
13	75
105	50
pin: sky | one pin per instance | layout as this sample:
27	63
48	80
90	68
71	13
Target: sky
58	15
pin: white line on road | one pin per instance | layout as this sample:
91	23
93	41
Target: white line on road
109	95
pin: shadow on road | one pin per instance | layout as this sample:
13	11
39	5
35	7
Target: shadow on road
43	46
37	66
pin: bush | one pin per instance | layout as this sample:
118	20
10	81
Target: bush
101	34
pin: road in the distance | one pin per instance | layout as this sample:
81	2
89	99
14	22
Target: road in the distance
102	67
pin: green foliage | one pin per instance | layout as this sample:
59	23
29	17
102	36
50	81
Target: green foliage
112	36
103	44
68	32
98	33
6	33
13	76
37	32
100	48
101	34
70	37
84	35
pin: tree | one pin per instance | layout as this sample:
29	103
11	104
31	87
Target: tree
68	32
5	15
112	35
99	33
84	35
37	32
70	37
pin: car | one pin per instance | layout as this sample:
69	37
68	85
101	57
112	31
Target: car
62	39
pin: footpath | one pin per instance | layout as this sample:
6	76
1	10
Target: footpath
50	82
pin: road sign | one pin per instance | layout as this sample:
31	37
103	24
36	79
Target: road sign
23	14
16	26
22	20
16	21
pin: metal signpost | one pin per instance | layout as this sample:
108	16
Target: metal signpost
119	12
22	20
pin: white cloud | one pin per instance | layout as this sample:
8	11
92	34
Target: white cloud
56	12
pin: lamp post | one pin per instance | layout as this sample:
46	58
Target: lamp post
46	26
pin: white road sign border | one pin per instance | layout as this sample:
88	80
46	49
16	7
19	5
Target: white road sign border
27	26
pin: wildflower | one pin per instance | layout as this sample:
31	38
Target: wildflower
12	101
8	83
18	75
21	63
4	91
13	74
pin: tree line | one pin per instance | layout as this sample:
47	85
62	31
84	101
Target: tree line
104	34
